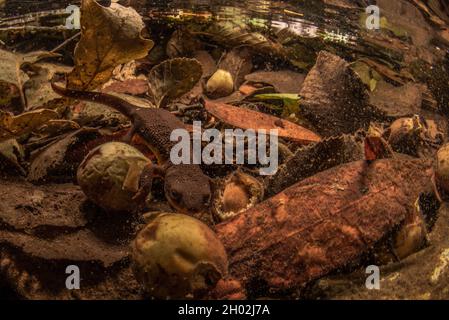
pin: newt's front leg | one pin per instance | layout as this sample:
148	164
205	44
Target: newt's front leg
129	135
146	180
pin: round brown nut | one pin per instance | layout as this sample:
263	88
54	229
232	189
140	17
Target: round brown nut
235	194
176	257
109	176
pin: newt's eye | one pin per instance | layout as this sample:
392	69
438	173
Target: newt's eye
175	195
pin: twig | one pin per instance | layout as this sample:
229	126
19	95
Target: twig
62	45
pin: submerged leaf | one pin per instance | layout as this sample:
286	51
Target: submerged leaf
249	119
328	220
12	73
173	78
109	37
37	89
14	126
289	100
285	81
234	34
11	156
368	75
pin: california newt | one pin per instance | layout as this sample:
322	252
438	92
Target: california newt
187	188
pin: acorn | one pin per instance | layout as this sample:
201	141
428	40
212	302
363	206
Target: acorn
220	84
235	194
177	257
110	176
411	237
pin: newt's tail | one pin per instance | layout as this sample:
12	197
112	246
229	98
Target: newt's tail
122	106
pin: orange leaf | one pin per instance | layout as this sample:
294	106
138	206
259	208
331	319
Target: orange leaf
249	119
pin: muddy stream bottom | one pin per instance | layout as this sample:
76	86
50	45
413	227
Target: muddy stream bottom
313	135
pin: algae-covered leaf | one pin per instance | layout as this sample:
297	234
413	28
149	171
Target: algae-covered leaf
387	72
368	75
290	101
13	126
249	119
110	36
173	78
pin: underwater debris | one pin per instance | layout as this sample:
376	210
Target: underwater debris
117	39
37	244
173	78
110	176
335	100
249	119
176	257
236	193
442	171
360	116
232	69
58	161
260	241
315	158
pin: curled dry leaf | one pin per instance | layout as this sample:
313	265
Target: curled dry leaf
109	37
12	73
322	223
173	78
37	89
59	126
60	160
14	126
249	119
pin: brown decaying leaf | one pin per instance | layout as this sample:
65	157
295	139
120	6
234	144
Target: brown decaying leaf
109	37
233	35
322	223
173	78
335	99
12	64
285	81
400	101
55	127
14	126
315	158
249	119
130	86
396	78
37	89
59	161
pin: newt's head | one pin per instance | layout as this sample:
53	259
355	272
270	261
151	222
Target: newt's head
187	188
